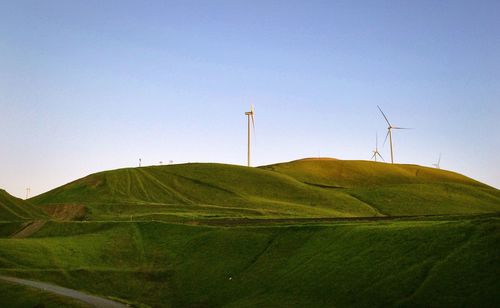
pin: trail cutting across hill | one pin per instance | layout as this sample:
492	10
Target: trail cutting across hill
29	228
89	299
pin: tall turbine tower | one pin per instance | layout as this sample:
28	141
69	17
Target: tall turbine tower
376	152
250	117
389	133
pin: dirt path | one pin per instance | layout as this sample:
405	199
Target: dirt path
89	299
29	229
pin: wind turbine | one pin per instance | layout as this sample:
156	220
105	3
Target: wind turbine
250	117
376	152
389	133
439	161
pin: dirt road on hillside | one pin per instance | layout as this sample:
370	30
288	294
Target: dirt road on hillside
89	299
29	228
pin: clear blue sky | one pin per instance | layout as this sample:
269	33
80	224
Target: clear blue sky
87	86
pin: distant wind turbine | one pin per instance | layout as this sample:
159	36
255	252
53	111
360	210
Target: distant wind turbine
437	165
389	133
250	117
376	152
140	161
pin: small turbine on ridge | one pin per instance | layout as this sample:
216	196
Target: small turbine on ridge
251	118
389	133
438	162
376	152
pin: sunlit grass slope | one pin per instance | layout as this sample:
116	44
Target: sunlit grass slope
330	172
15	209
214	190
304	188
437	263
396	190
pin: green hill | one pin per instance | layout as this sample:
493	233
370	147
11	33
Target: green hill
334	173
257	237
437	263
304	188
396	189
202	190
15	209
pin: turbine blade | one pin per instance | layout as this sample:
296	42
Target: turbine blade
385	140
384	115
380	156
395	127
253	125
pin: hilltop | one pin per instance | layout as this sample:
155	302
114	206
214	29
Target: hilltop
14	209
303	188
335	173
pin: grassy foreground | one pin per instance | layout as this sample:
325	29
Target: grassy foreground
439	262
13	295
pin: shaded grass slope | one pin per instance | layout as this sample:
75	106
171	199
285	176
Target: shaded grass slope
15	209
402	263
14	295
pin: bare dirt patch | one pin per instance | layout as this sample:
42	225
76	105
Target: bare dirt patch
66	211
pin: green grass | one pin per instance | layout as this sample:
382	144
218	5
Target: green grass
429	262
305	188
14	295
356	173
15	209
138	242
204	190
429	199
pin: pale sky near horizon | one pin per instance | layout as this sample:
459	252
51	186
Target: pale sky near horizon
87	86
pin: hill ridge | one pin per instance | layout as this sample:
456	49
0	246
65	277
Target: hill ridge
301	188
13	209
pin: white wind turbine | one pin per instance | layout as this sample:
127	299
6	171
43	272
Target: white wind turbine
376	152
251	118
389	133
439	162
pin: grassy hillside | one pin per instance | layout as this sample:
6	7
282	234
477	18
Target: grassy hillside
13	295
304	188
439	262
395	189
127	247
15	209
206	190
330	172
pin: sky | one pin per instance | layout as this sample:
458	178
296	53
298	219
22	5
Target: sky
87	86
